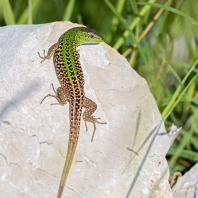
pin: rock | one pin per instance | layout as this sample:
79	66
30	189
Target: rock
173	132
126	157
186	185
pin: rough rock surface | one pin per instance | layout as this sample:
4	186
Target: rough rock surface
187	185
127	156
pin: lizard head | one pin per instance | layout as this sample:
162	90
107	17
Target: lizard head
86	35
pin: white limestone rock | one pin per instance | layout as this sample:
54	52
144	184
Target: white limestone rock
126	157
187	185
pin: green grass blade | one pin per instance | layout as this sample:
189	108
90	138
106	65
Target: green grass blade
68	11
133	5
24	16
174	73
180	96
193	21
133	24
185	154
122	20
29	11
180	148
114	22
194	143
7	12
171	105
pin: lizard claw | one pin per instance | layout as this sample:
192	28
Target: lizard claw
42	57
94	121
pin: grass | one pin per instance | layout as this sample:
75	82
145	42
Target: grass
158	37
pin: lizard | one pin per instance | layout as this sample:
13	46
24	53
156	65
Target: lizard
70	75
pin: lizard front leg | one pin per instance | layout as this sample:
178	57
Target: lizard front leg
51	51
87	115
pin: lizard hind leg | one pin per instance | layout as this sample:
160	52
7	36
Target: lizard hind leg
61	96
87	115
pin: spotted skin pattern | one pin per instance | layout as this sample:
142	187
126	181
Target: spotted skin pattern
71	78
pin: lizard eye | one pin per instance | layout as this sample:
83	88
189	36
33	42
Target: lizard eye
92	36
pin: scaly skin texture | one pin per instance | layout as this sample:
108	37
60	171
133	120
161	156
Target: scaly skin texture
70	76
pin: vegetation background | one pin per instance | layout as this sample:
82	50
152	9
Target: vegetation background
158	37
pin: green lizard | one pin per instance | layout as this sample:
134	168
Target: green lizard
70	76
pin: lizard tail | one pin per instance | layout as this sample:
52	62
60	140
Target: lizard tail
75	117
69	159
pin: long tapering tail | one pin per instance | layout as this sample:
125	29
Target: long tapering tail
75	117
69	159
